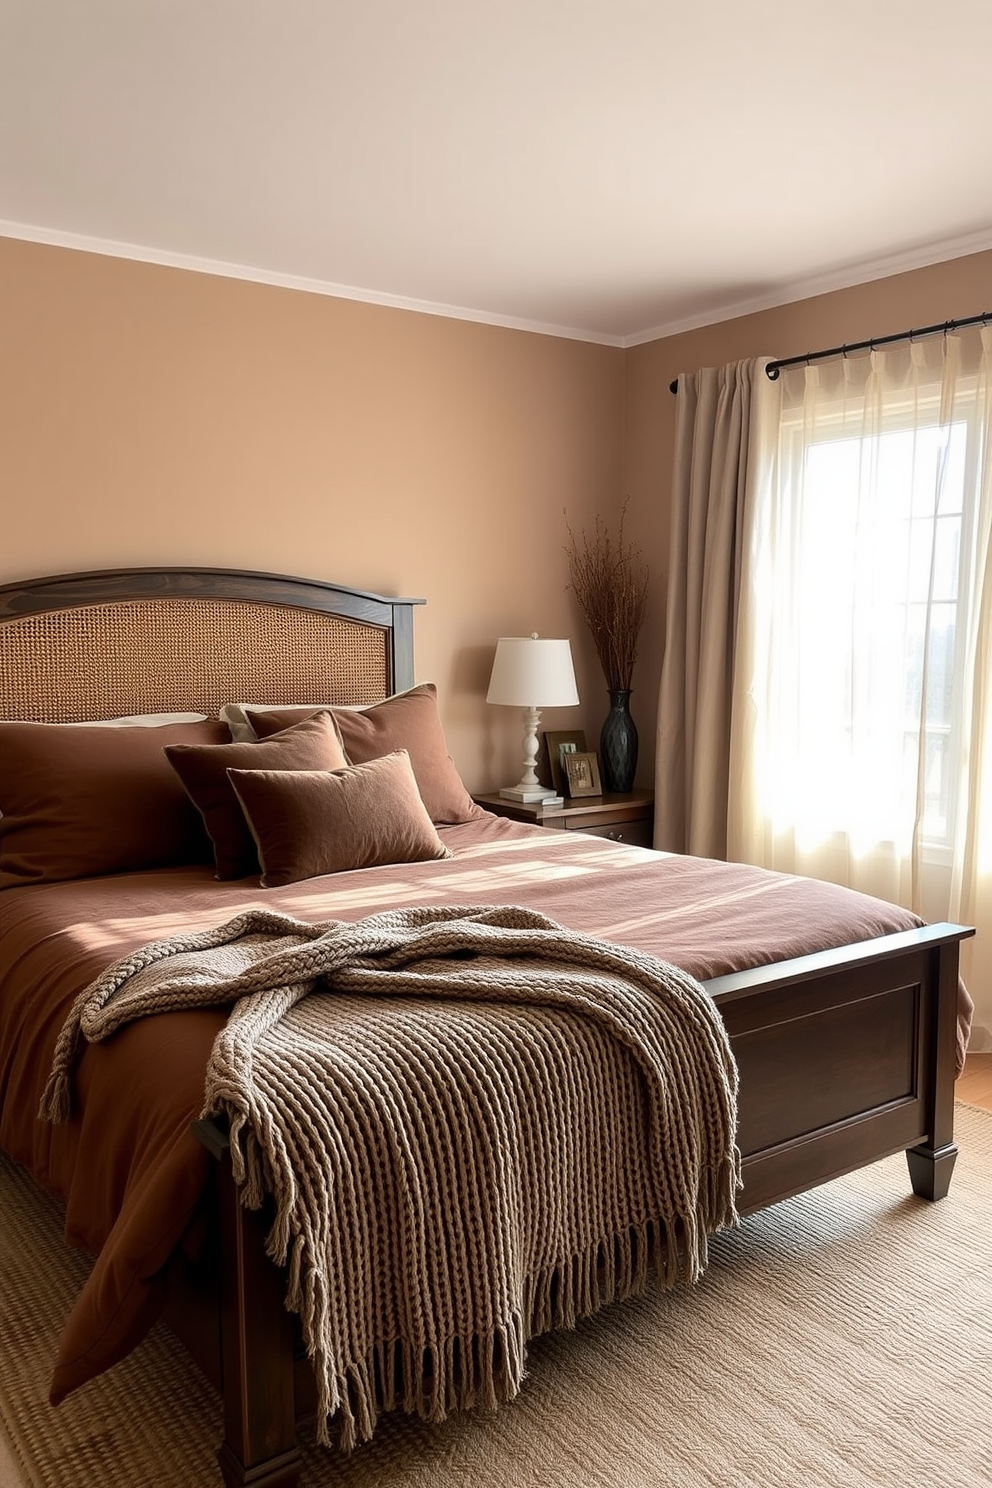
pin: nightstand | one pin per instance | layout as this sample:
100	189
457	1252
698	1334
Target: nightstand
621	818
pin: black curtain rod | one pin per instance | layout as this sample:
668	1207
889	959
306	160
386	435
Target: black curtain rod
945	326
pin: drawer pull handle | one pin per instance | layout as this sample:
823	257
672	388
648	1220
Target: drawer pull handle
615	836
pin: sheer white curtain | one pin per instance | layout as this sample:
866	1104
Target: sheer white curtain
861	746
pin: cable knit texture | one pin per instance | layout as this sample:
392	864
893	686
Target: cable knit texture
475	1124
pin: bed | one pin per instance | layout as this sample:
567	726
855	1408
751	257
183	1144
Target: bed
846	1017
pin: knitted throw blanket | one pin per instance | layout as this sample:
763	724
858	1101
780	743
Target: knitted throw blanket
475	1124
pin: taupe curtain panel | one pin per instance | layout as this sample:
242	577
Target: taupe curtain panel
708	486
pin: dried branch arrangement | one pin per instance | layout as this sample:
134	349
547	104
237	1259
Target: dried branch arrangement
610	581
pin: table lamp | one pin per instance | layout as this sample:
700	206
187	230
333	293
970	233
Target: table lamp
531	673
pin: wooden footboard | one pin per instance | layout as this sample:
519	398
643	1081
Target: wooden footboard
845	1057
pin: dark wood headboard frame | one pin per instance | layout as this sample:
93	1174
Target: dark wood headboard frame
392	616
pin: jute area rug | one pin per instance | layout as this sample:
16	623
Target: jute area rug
842	1339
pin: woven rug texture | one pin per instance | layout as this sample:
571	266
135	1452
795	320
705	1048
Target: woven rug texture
842	1339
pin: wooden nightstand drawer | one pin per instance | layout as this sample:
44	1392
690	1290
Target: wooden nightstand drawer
619	818
634	833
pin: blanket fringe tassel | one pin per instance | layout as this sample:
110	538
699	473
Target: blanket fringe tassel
487	1370
433	1379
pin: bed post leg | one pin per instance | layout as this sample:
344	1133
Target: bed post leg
932	1163
260	1449
930	1170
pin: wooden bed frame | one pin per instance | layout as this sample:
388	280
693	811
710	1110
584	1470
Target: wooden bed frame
845	1056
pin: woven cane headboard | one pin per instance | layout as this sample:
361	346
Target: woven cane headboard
162	640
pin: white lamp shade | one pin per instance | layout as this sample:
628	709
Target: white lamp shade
531	672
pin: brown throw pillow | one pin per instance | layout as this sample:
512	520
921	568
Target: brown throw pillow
264	722
309	823
312	744
82	800
409	721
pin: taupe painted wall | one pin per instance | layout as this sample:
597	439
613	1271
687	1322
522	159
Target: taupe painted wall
946	291
155	415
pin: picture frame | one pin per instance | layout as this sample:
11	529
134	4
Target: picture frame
582	771
556	743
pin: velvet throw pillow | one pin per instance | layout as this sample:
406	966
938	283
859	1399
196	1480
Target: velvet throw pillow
309	823
409	721
311	744
82	800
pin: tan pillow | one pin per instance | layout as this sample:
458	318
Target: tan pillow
236	717
409	721
312	744
81	800
309	823
142	720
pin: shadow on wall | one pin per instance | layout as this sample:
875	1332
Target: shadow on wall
466	707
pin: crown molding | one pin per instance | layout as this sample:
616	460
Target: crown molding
864	272
55	238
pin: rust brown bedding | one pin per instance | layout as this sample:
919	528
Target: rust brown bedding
129	1171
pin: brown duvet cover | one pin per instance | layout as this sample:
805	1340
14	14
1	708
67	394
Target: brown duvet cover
126	1165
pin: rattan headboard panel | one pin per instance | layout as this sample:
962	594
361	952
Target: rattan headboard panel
163	654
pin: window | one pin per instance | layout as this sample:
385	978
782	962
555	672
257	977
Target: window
861	722
862	707
883	532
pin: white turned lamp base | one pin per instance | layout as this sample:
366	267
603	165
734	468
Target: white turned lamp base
529	788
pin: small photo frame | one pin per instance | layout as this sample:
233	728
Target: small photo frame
582	771
557	744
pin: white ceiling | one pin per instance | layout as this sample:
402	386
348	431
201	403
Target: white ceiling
609	169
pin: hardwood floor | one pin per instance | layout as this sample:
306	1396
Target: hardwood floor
975	1083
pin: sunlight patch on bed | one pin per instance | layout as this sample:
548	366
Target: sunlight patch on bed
521	873
550	842
377	895
701	905
104	934
621	855
446	890
593	851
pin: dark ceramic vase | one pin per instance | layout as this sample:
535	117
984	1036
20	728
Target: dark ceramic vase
618	744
